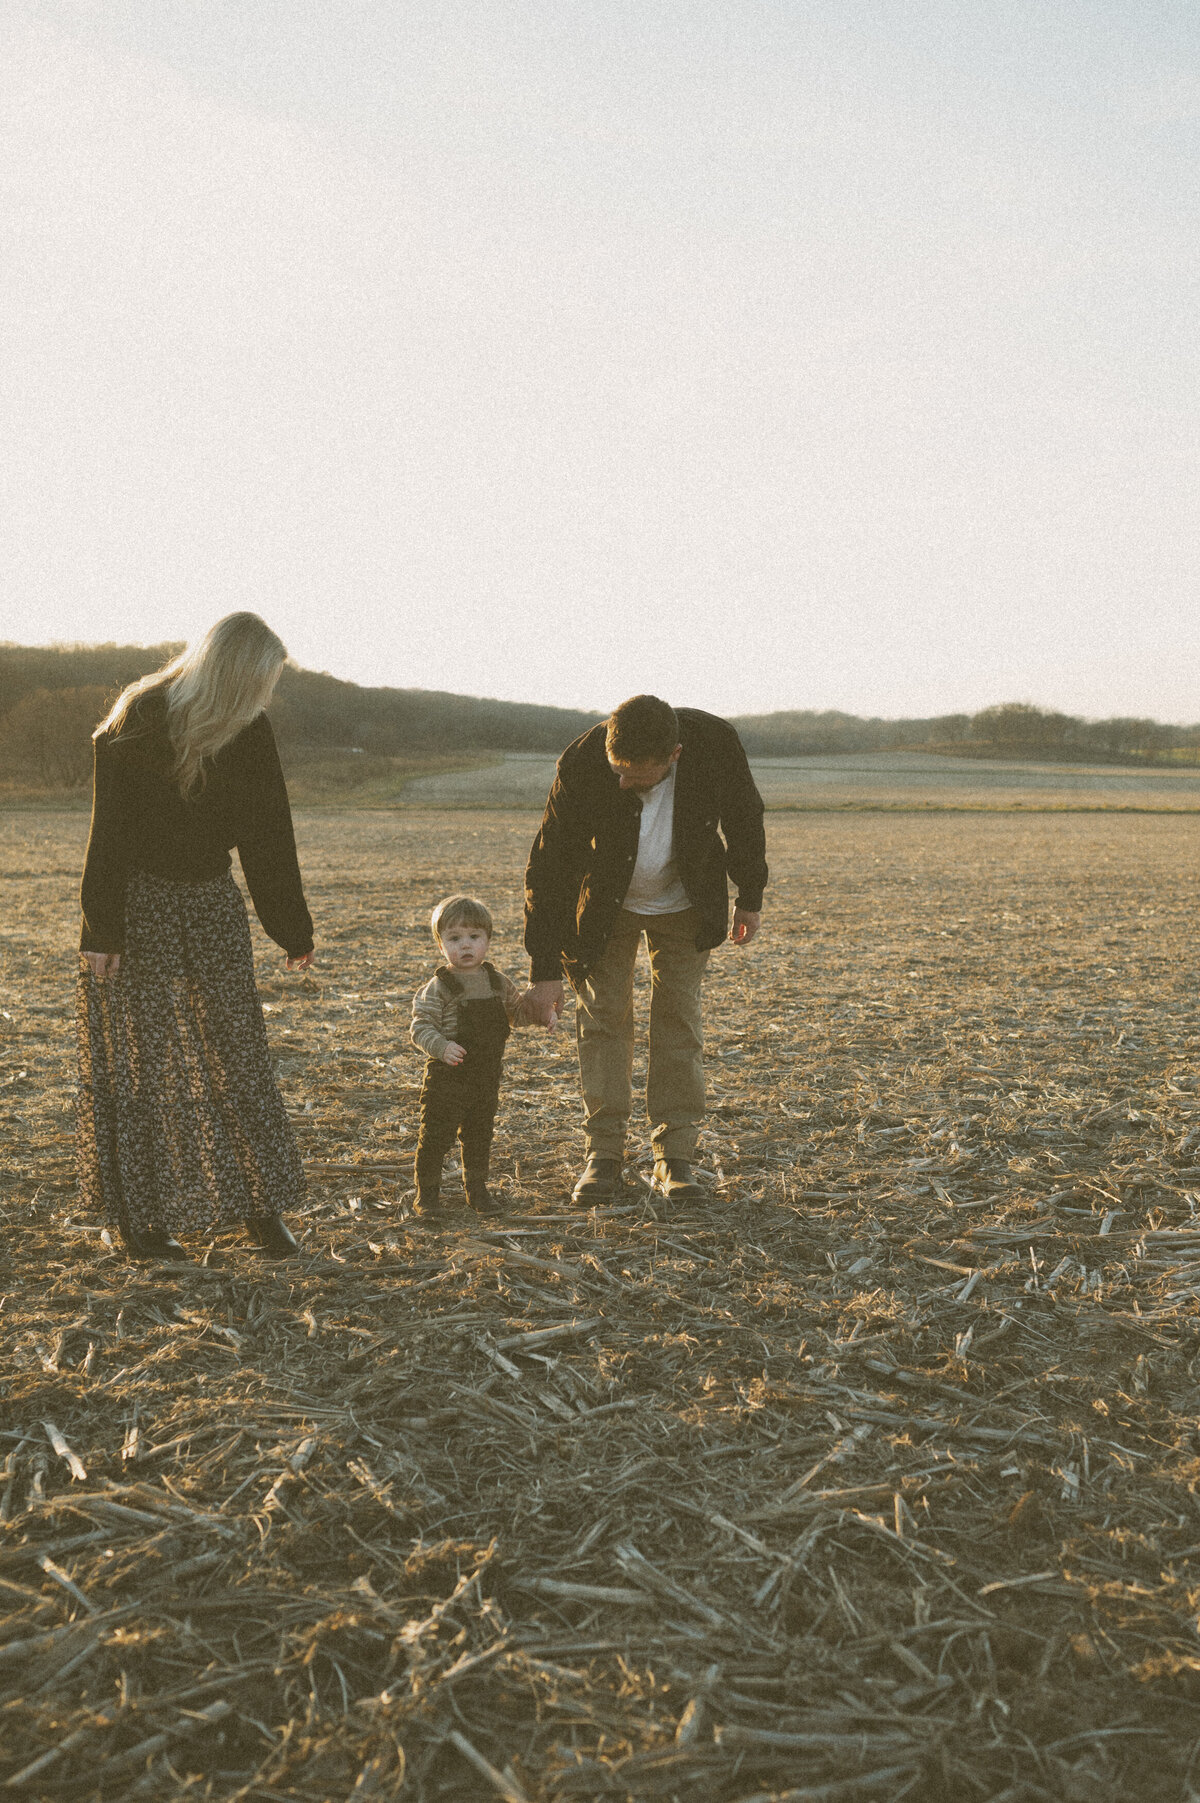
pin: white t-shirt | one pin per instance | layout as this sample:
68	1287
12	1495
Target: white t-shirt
655	887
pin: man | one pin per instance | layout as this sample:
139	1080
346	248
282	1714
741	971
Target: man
648	813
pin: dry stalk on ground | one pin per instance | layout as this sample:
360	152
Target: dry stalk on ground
871	1477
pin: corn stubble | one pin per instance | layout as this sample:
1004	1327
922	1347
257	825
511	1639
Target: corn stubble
872	1476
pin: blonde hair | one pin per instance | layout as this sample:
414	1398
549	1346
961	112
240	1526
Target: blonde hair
459	911
213	690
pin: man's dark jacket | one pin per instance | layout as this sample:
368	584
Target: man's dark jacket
582	860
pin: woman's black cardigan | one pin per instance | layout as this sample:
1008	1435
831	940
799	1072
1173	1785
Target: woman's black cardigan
141	822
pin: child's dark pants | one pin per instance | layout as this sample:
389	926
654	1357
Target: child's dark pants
458	1101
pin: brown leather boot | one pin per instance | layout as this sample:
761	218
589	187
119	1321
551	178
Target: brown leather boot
599	1180
673	1179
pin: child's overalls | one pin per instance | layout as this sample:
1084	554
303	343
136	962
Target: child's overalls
460	1100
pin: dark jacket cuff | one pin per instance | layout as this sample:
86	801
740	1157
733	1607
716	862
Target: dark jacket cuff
546	970
91	940
751	901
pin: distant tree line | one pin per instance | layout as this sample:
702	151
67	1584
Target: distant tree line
315	712
805	734
1017	728
1013	729
52	696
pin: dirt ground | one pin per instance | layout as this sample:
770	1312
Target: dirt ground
873	1476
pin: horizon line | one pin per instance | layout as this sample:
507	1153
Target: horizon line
174	645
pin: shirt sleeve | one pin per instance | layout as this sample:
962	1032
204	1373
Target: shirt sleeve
429	1024
106	868
511	997
266	845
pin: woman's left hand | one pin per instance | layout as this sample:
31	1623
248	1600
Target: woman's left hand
103	964
304	963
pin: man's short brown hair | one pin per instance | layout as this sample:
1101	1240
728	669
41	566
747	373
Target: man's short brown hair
642	729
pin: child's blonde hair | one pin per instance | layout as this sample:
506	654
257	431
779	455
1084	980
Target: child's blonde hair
213	690
459	911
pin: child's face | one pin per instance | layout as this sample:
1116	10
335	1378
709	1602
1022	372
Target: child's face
464	948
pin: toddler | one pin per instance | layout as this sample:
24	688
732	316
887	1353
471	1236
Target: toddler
460	1020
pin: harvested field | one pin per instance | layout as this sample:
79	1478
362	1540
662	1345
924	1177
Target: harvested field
872	1477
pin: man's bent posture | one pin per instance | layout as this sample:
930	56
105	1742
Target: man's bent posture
648	815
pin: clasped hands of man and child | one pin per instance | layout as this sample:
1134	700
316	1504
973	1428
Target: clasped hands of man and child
462	930
460	1092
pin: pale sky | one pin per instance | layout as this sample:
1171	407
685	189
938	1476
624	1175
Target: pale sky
764	354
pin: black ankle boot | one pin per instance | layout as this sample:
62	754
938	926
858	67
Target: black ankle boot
271	1236
154	1242
428	1204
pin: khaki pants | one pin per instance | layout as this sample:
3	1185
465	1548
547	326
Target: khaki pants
604	1035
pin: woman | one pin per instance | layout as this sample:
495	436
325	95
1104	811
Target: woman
181	1124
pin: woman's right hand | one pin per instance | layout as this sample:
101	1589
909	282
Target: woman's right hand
103	964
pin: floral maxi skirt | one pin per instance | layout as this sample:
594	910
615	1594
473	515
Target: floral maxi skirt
180	1121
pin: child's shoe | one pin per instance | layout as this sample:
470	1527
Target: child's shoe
479	1197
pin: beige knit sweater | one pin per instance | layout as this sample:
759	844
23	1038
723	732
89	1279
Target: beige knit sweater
435	1010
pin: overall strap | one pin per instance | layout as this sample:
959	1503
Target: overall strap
494	978
447	978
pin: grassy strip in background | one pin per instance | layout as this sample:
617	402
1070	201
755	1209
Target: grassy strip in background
333	779
360	780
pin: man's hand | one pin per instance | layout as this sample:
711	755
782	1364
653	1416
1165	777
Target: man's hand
304	963
542	1003
104	964
454	1053
745	925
